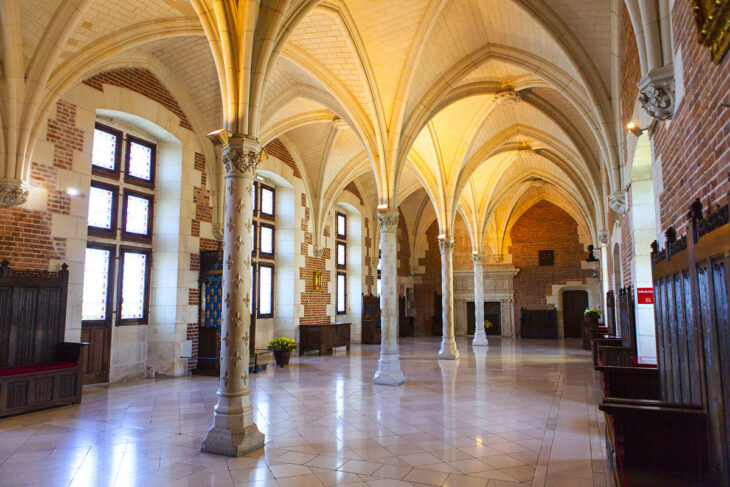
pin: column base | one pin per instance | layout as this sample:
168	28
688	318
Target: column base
389	372
448	349
221	441
480	341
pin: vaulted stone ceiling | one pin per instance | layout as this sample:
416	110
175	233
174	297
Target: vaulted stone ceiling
483	104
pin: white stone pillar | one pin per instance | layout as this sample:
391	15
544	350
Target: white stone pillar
389	372
448	349
233	432
480	336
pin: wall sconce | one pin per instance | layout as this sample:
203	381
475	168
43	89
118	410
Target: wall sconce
637	131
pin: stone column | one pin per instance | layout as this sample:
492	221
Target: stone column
480	337
389	372
448	344
233	432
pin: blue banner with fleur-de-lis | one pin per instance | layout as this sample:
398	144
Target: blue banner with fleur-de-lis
213	292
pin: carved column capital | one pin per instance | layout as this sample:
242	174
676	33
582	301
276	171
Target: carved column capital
478	258
446	245
317	252
617	202
603	237
218	231
12	192
498	258
388	220
656	92
241	156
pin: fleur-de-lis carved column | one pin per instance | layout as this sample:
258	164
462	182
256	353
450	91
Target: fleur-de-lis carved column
448	349
233	432
480	337
389	372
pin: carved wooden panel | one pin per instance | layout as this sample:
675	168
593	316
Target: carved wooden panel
67	385
43	389
17	394
6	309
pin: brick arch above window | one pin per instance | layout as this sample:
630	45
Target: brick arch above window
144	82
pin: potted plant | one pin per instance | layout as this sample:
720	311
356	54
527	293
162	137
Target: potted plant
282	348
487	325
592	315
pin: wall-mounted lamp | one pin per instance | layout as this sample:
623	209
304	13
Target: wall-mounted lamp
219	137
72	192
637	131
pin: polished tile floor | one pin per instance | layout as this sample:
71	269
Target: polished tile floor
518	413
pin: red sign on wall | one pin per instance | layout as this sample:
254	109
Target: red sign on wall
644	295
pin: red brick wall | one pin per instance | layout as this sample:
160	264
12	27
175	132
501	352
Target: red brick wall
25	235
371	260
695	147
352	188
277	149
143	82
430	281
203	213
544	227
314	301
404	249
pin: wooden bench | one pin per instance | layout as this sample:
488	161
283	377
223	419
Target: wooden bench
324	336
630	382
37	368
654	443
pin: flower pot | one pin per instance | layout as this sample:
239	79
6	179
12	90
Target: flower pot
282	357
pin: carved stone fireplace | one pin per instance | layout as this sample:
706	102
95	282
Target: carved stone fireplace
498	286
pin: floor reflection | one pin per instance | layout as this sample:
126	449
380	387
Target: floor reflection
513	413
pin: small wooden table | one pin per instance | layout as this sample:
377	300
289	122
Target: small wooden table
324	336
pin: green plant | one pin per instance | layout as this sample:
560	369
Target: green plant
282	343
592	313
488	324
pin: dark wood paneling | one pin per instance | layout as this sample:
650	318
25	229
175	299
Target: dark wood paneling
539	323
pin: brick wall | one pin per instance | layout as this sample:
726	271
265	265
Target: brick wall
143	82
25	234
314	301
404	249
695	148
277	149
430	281
371	260
544	227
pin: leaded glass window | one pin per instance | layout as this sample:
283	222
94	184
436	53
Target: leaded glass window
134	285
341	225
266	290
341	254
140	161
341	293
267	201
266	239
137	215
104	152
101	207
96	284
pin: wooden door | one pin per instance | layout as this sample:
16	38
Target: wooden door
95	366
574	304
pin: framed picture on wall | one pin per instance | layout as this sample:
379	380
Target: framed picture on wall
317	281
